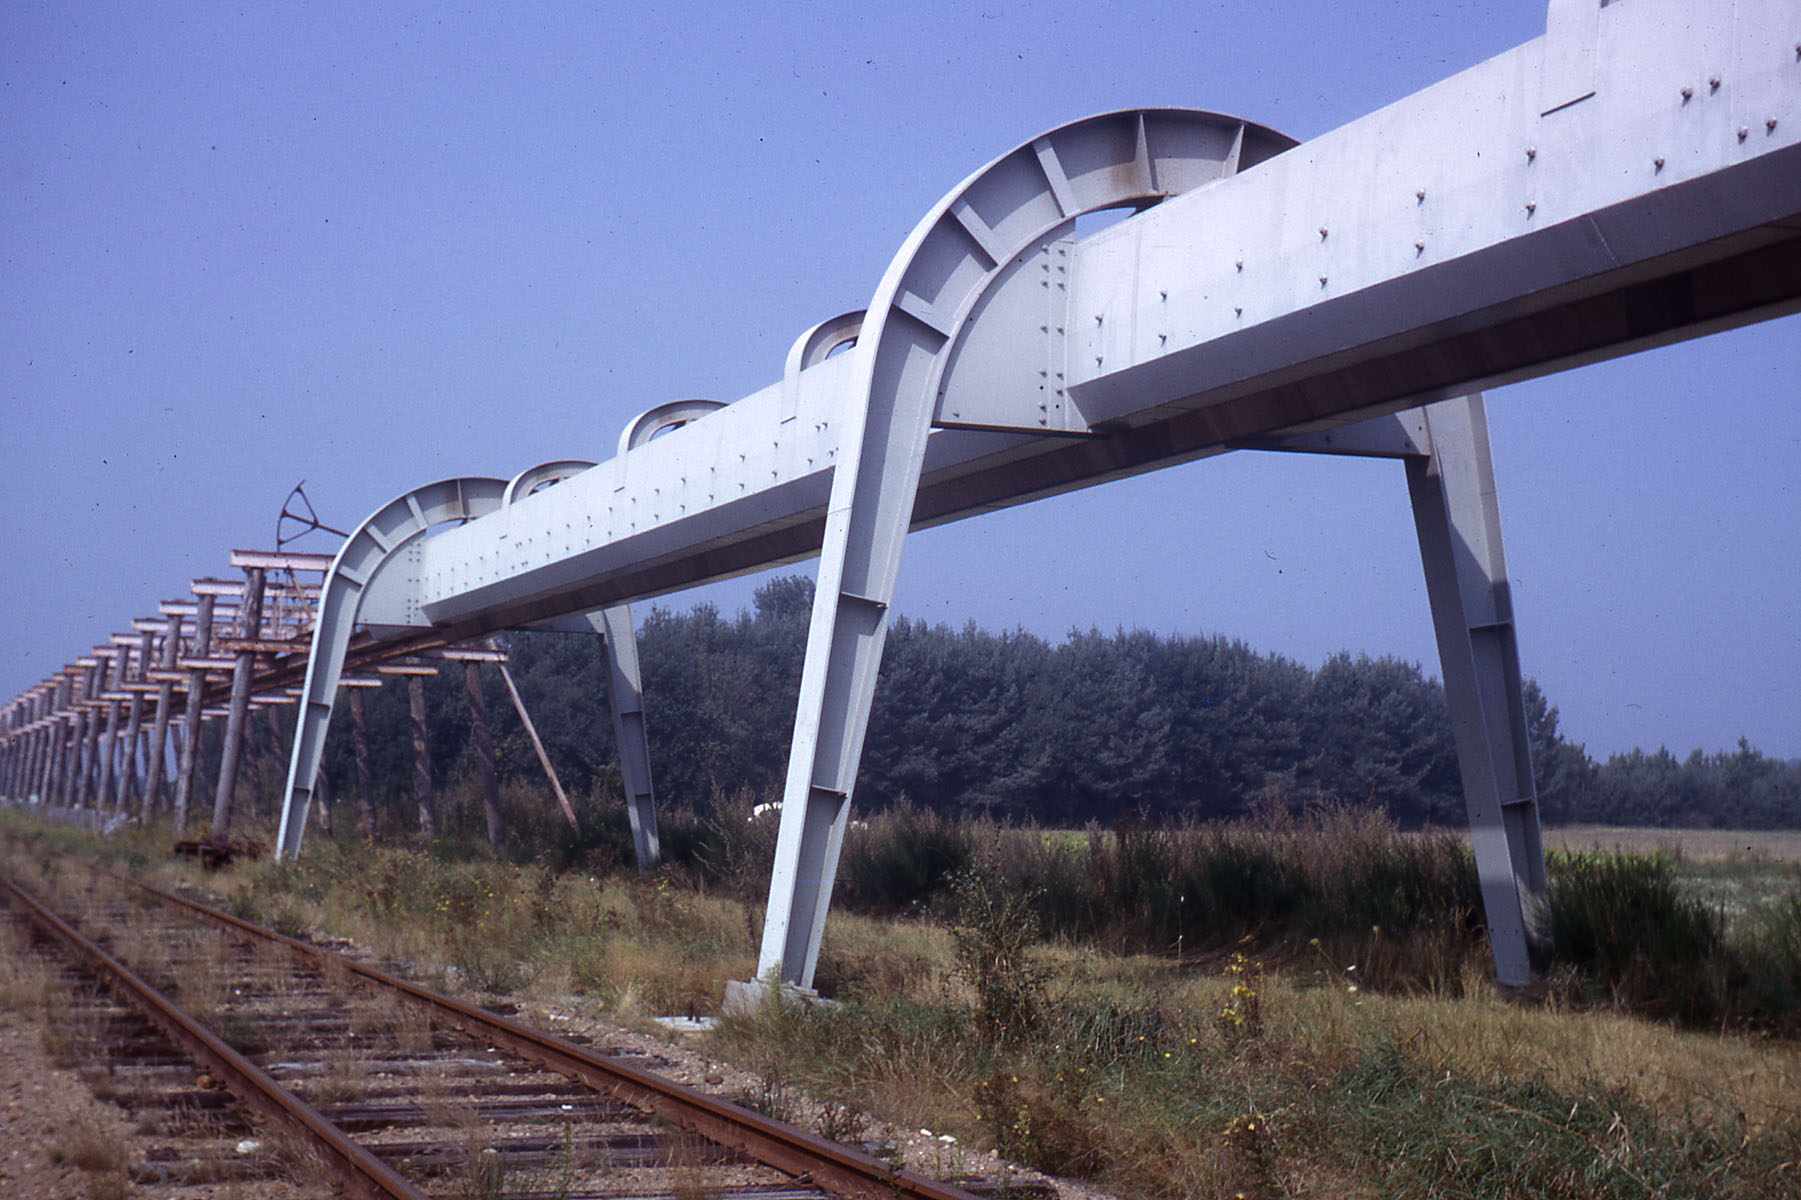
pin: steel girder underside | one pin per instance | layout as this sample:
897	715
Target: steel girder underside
1631	178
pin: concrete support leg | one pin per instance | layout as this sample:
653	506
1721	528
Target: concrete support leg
625	700
1459	527
237	719
192	715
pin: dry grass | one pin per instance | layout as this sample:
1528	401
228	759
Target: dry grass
29	985
1703	845
345	1076
1136	1076
88	1146
1481	1036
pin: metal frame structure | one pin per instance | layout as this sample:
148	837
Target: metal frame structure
1629	179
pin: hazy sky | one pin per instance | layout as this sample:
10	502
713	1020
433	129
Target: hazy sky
371	246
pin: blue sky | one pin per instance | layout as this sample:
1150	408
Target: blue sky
375	245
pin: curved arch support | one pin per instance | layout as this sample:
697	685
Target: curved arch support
814	347
820	342
1008	208
670	415
364	565
542	475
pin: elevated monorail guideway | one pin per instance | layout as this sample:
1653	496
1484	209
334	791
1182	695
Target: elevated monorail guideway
1629	179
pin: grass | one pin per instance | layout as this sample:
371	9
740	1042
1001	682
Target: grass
1298	1006
89	1147
1734	872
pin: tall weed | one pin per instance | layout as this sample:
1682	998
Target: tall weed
1625	923
994	939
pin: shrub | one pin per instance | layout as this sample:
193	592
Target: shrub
1623	921
899	859
1769	951
994	940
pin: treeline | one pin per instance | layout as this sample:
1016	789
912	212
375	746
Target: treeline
1013	727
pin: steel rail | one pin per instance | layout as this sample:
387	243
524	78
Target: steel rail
805	1156
361	1173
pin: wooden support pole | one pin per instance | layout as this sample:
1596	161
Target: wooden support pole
91	763
365	779
531	731
250	627
27	753
56	771
129	783
155	784
43	764
36	767
36	764
109	742
23	766
15	758
18	753
13	748
21	755
45	774
191	719
141	761
484	754
422	782
50	779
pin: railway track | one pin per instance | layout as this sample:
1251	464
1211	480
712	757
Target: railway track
247	1054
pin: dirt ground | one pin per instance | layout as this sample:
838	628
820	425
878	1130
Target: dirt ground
57	1142
48	1117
